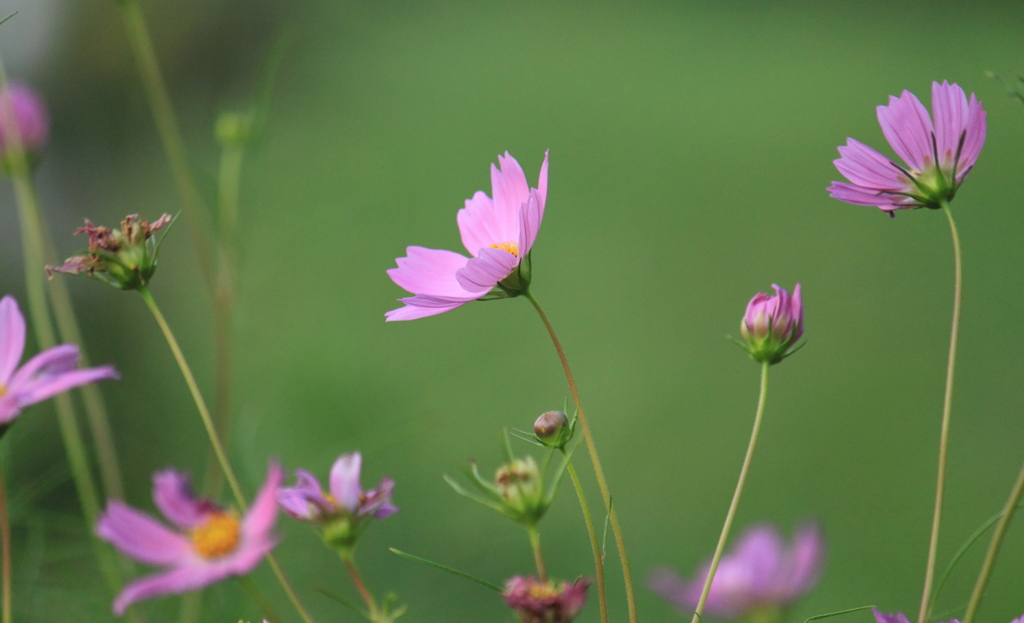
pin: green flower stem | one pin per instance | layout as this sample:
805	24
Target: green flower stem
538	555
602	483
204	414
947	407
735	496
33	247
595	545
993	547
5	543
364	593
170	134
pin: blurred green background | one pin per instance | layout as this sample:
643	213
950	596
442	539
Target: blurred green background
691	144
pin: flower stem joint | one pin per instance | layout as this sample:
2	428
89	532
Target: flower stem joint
124	258
773	325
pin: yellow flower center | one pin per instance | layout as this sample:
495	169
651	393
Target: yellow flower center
3	390
511	247
543	591
217	537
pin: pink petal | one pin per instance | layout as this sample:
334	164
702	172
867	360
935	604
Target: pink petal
173	582
484	272
12	337
42	388
51	361
869	169
430	271
907	127
478	224
542	183
173	495
672	588
809	554
851	193
949	107
510	192
140	536
975	139
529	223
421	306
306	499
345	480
262	514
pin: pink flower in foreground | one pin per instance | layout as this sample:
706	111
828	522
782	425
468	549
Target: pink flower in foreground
29	113
545	602
938	156
760	573
209	544
773	324
49	373
343	512
498	233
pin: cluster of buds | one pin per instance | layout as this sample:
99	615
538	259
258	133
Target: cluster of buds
545	602
125	259
773	324
518	491
23	121
345	511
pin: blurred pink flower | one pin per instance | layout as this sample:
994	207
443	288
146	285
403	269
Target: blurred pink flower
773	324
30	115
309	502
545	602
498	233
899	617
209	545
938	156
758	573
49	373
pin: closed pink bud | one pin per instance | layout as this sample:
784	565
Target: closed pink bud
23	109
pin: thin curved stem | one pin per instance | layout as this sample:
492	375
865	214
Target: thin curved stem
204	414
595	545
588	437
170	134
947	408
364	593
538	555
727	526
993	547
5	543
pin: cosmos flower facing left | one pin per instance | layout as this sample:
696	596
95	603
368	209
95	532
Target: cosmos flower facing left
49	373
497	232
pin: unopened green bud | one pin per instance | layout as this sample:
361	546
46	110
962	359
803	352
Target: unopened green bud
522	488
553	429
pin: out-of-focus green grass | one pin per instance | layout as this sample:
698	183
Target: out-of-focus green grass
690	148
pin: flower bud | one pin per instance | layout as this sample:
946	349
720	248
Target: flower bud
773	324
521	486
125	259
22	111
553	429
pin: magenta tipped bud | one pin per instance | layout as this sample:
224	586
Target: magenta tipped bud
553	429
773	324
22	111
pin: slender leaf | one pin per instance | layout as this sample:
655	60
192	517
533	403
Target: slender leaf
493	587
836	613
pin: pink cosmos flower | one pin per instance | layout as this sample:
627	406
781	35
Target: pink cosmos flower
938	155
545	602
309	502
49	373
498	233
209	543
773	324
29	113
759	573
